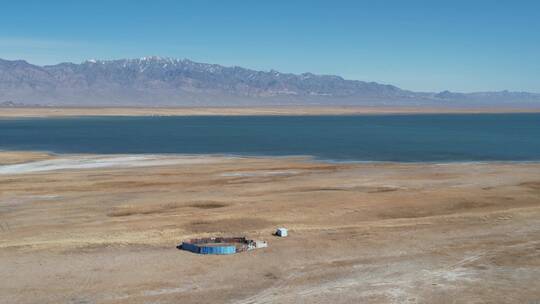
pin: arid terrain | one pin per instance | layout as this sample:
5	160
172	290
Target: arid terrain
104	229
18	112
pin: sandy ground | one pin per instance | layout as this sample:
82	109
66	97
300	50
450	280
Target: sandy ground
283	110
359	233
16	157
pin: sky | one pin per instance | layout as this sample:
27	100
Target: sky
428	45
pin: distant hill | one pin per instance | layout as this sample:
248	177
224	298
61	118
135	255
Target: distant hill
156	81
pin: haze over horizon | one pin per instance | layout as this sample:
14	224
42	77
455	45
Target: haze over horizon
420	46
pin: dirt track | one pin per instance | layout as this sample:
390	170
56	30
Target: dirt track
359	233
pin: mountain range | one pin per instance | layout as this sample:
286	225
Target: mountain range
157	81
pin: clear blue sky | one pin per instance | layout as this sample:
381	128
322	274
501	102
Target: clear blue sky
426	45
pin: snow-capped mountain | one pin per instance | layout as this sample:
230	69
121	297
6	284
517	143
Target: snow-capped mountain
157	81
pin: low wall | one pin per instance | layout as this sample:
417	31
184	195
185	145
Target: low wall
212	245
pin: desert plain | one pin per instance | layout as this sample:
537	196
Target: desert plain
25	112
104	229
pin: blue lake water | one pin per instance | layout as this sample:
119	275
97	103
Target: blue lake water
403	138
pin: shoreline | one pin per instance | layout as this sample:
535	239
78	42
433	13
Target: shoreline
31	112
46	161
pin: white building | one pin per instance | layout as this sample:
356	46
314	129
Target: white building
282	232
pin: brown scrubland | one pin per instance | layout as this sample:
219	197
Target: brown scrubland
359	233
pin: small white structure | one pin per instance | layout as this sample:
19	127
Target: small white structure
282	232
256	244
260	244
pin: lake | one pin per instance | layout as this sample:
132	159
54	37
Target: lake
400	138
